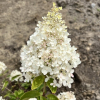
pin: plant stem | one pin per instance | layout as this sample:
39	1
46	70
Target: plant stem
44	88
6	88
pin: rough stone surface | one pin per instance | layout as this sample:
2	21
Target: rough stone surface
18	19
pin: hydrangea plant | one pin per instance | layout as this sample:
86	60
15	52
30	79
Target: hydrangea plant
49	53
48	60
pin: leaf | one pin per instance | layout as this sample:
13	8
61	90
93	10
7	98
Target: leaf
37	82
30	94
20	92
42	98
38	98
7	95
27	84
4	85
8	76
11	96
40	87
14	77
16	93
52	97
21	95
53	89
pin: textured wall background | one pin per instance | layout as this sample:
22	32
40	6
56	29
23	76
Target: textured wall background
18	19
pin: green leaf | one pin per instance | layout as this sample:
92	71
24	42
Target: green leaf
14	77
8	76
20	92
26	84
52	97
11	96
16	93
21	95
7	95
42	98
30	94
4	85
37	82
38	98
40	87
53	89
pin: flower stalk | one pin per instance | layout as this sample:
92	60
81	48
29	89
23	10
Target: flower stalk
44	89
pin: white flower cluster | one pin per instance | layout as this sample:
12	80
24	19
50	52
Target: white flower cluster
1	98
49	51
17	74
66	96
2	67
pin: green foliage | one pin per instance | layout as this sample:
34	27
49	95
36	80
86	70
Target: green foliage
5	84
52	97
53	89
40	87
98	9
38	81
30	94
36	92
19	93
14	77
42	98
26	85
37	85
16	95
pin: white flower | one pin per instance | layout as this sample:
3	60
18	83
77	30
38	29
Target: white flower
49	52
1	98
28	77
54	83
93	5
2	67
14	73
45	70
66	96
32	99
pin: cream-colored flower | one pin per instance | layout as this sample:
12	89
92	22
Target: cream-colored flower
49	51
33	99
17	74
66	96
2	67
1	98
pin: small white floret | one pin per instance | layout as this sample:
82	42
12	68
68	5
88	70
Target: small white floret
2	67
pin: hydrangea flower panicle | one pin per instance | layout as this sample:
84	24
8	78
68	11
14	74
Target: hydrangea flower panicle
49	52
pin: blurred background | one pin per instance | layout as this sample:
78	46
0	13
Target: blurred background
18	19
